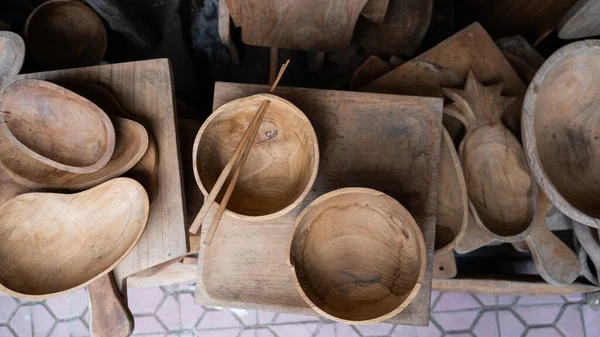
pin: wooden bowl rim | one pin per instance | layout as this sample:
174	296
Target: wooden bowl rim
110	133
313	137
120	180
529	139
20	43
411	224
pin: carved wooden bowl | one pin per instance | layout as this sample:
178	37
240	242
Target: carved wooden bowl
357	256
561	130
12	53
281	167
51	244
53	128
65	34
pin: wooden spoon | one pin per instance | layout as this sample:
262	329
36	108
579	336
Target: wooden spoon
53	244
12	53
54	128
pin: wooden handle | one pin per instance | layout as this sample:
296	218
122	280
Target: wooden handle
554	260
234	178
110	315
521	246
473	237
225	173
444	265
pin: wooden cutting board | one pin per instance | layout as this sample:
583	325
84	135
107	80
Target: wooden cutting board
581	21
145	89
315	25
447	65
386	142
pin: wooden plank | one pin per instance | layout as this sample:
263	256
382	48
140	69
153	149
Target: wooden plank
224	28
581	21
386	142
512	286
375	10
447	65
145	89
235	10
369	71
315	25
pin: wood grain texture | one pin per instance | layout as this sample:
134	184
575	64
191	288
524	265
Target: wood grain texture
235	10
100	225
561	130
65	34
188	129
110	316
357	256
9	188
375	10
401	31
306	25
12	53
145	89
362	137
514	287
370	70
224	27
447	65
580	21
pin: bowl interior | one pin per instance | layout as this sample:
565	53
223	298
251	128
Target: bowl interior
281	165
357	256
56	123
567	128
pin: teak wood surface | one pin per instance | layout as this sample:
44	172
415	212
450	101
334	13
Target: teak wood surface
145	89
386	142
12	53
581	20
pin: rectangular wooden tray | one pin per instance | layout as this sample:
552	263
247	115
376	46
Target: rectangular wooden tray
145	89
387	142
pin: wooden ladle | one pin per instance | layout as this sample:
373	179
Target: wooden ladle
12	53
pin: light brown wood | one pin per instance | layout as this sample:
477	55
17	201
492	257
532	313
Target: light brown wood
444	265
281	167
65	34
400	33
224	27
375	10
9	188
235	10
515	287
145	89
53	128
12	53
131	144
188	129
561	130
110	316
370	70
361	146
580	21
447	65
473	237
163	275
53	244
306	25
145	171
357	256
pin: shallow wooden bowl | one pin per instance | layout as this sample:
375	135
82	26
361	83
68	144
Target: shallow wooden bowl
51	244
54	127
561	130
12	53
281	167
64	34
357	256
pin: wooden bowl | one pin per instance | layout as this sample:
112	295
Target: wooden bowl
12	53
281	167
51	244
561	130
54	127
65	34
357	256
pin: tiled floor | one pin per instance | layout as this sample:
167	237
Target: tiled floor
170	311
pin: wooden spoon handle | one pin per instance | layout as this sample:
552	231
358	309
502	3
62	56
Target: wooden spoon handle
586	237
444	265
473	237
554	260
110	315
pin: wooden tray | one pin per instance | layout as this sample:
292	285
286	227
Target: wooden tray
386	142
144	89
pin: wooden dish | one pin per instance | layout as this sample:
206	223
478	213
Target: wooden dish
561	130
65	34
281	167
12	53
51	244
357	256
54	128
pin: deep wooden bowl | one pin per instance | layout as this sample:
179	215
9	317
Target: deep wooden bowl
54	128
561	130
12	53
51	244
281	167
64	34
357	256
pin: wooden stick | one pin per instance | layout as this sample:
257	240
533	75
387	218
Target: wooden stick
281	71
273	65
214	192
234	178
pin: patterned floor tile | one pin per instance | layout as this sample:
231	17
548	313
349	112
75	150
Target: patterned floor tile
190	311
487	325
542	332
168	313
5	332
8	306
344	330
144	300
220	333
570	322
147	325
218	319
412	331
510	325
536	300
21	322
487	300
296	330
591	321
539	314
42	320
375	329
291	318
458	320
455	301
263	332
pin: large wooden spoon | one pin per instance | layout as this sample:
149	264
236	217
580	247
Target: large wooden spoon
12	53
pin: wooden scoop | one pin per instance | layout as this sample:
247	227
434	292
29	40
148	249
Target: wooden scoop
12	53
